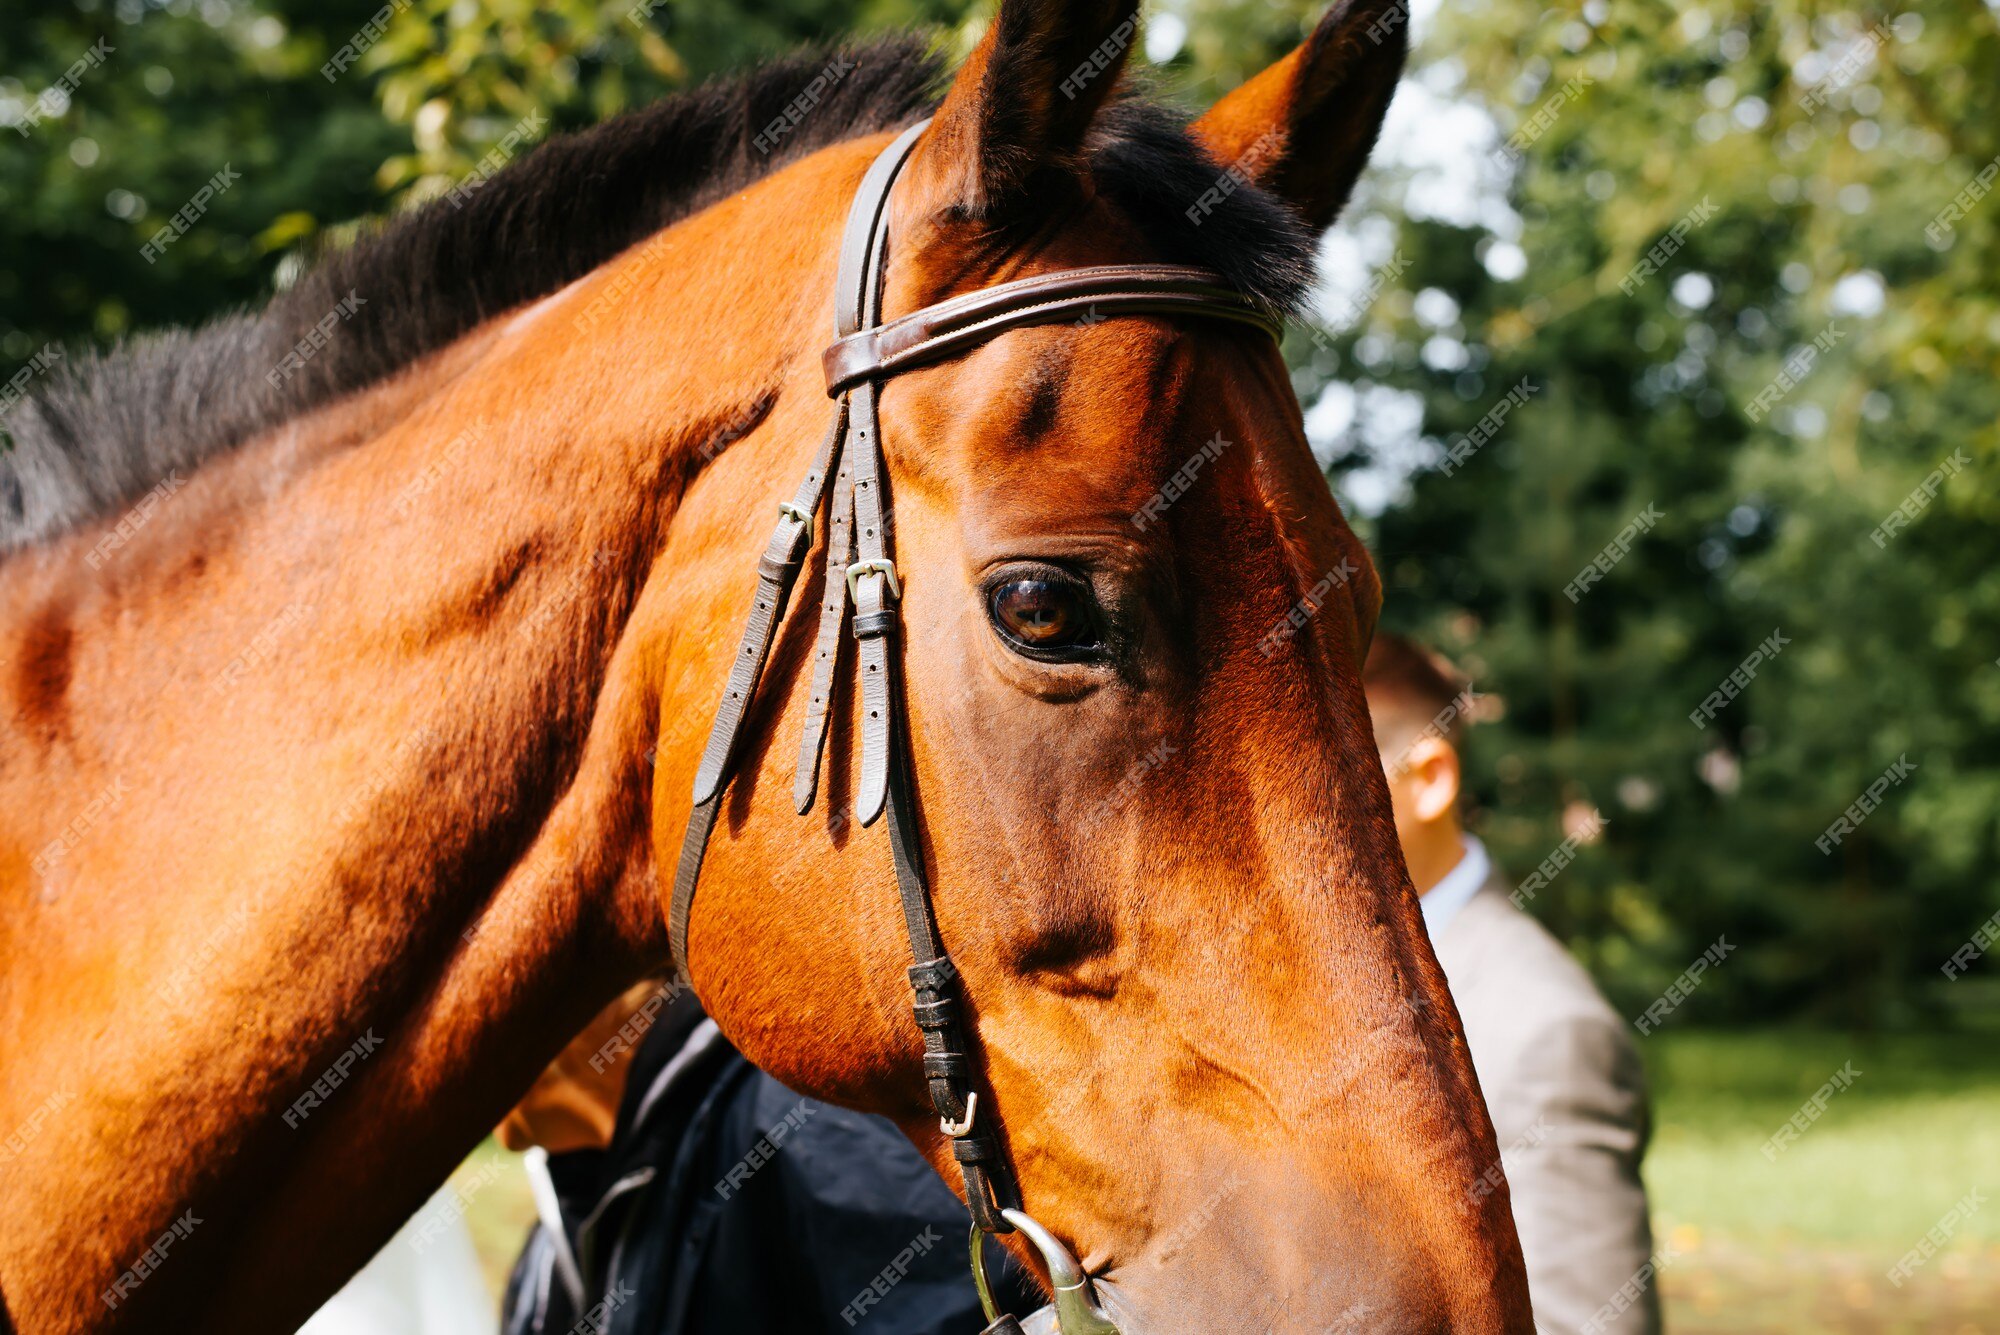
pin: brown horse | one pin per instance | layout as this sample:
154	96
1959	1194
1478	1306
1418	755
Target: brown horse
358	654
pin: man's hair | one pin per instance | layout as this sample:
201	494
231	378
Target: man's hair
1412	688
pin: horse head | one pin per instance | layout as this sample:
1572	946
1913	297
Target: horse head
1209	1030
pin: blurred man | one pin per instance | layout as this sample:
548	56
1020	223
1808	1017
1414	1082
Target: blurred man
1561	1078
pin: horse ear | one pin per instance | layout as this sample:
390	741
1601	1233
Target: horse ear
1303	128
1020	105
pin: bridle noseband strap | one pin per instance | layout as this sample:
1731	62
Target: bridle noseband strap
859	569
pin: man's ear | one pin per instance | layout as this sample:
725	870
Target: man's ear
1303	128
1020	106
1434	777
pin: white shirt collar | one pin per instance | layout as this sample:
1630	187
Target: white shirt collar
1442	901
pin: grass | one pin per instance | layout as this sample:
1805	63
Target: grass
1805	1241
1802	1243
1917	1129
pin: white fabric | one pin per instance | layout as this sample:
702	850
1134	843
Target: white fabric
426	1281
1456	887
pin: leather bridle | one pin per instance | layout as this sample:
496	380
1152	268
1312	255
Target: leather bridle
867	350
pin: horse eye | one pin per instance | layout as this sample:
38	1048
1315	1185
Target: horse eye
1043	614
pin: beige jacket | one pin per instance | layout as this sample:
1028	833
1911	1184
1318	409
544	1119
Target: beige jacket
1568	1098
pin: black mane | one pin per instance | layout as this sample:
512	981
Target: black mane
101	429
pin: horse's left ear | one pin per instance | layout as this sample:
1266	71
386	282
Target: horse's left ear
1303	128
1019	107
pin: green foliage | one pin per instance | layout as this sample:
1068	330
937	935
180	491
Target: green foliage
180	95
1647	397
1640	397
319	139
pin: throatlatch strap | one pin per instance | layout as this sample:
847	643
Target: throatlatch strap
694	847
777	570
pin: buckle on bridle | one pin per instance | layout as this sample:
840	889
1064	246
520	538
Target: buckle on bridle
884	568
804	517
963	1127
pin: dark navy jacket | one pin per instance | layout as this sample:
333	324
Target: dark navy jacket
728	1205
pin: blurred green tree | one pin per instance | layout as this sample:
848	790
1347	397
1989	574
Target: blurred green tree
180	94
1785	166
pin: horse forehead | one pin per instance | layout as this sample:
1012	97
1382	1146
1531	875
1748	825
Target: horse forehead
1162	440
1126	399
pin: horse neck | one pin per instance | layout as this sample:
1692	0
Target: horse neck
381	737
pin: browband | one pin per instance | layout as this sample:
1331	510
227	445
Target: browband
859	569
950	327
